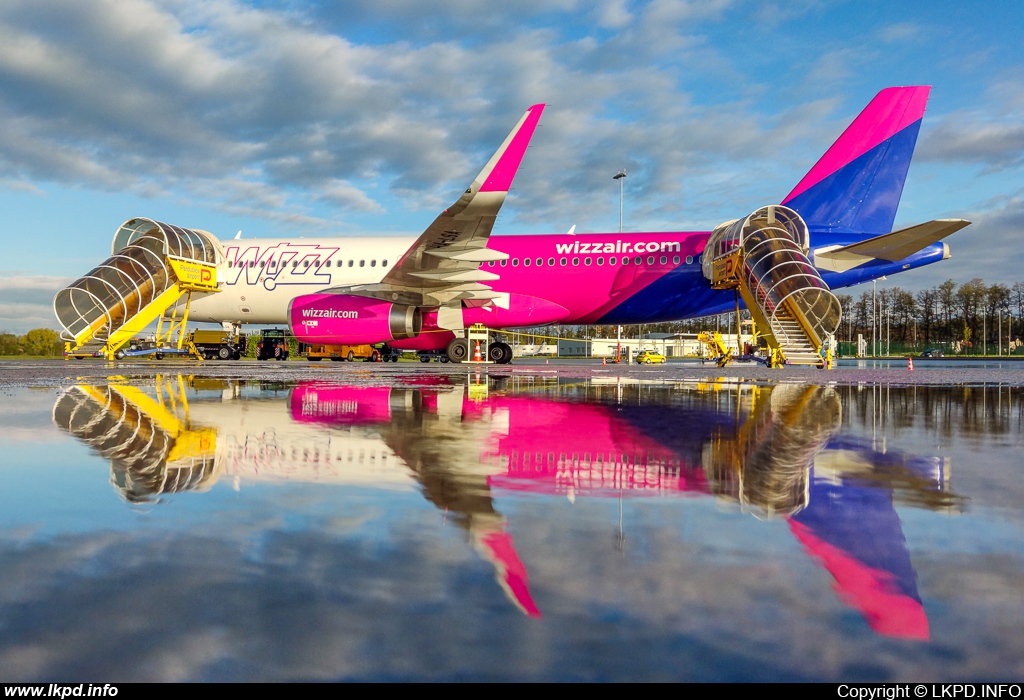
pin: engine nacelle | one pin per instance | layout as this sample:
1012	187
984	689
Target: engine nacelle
351	320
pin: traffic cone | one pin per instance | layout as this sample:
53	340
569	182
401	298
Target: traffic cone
476	353
603	362
910	364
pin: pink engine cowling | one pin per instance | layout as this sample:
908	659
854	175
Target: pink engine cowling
351	320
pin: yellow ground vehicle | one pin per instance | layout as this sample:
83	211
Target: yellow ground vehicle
314	352
218	344
647	357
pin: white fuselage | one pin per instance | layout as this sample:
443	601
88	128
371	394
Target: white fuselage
261	276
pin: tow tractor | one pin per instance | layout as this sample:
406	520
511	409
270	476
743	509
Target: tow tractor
272	345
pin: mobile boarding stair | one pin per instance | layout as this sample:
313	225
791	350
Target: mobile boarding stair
764	258
152	445
152	266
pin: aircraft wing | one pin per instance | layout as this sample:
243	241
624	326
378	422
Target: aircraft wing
893	246
443	266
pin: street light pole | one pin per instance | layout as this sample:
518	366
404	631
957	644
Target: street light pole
620	176
874	319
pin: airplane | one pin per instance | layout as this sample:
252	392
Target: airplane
774	450
421	294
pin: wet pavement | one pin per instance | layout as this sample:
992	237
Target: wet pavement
562	521
893	372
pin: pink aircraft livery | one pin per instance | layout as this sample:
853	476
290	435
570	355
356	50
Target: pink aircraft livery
422	293
775	451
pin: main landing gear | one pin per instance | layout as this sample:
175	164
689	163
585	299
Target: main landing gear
459	351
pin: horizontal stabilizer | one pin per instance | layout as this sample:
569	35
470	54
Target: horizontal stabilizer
893	246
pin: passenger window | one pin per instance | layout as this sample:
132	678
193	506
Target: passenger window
262	263
612	261
383	263
561	262
540	262
515	262
230	264
625	260
551	262
575	261
490	263
373	263
689	260
351	263
650	259
305	263
295	263
638	260
586	261
362	263
504	263
664	260
526	262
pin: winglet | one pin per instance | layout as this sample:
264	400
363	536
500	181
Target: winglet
501	169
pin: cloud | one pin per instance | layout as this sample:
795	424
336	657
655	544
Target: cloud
26	301
146	604
974	138
300	113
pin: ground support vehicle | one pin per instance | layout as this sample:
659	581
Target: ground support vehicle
217	344
314	352
272	344
435	355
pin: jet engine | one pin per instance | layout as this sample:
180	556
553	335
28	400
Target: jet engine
351	320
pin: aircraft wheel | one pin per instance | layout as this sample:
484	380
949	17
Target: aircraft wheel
505	353
458	350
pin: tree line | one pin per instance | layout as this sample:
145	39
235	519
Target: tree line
969	317
39	342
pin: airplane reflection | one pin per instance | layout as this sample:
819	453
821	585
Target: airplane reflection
772	450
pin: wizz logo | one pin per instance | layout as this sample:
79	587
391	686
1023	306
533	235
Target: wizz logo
284	263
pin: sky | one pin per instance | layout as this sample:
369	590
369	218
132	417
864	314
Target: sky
366	117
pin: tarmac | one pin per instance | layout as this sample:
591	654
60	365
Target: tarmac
59	372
